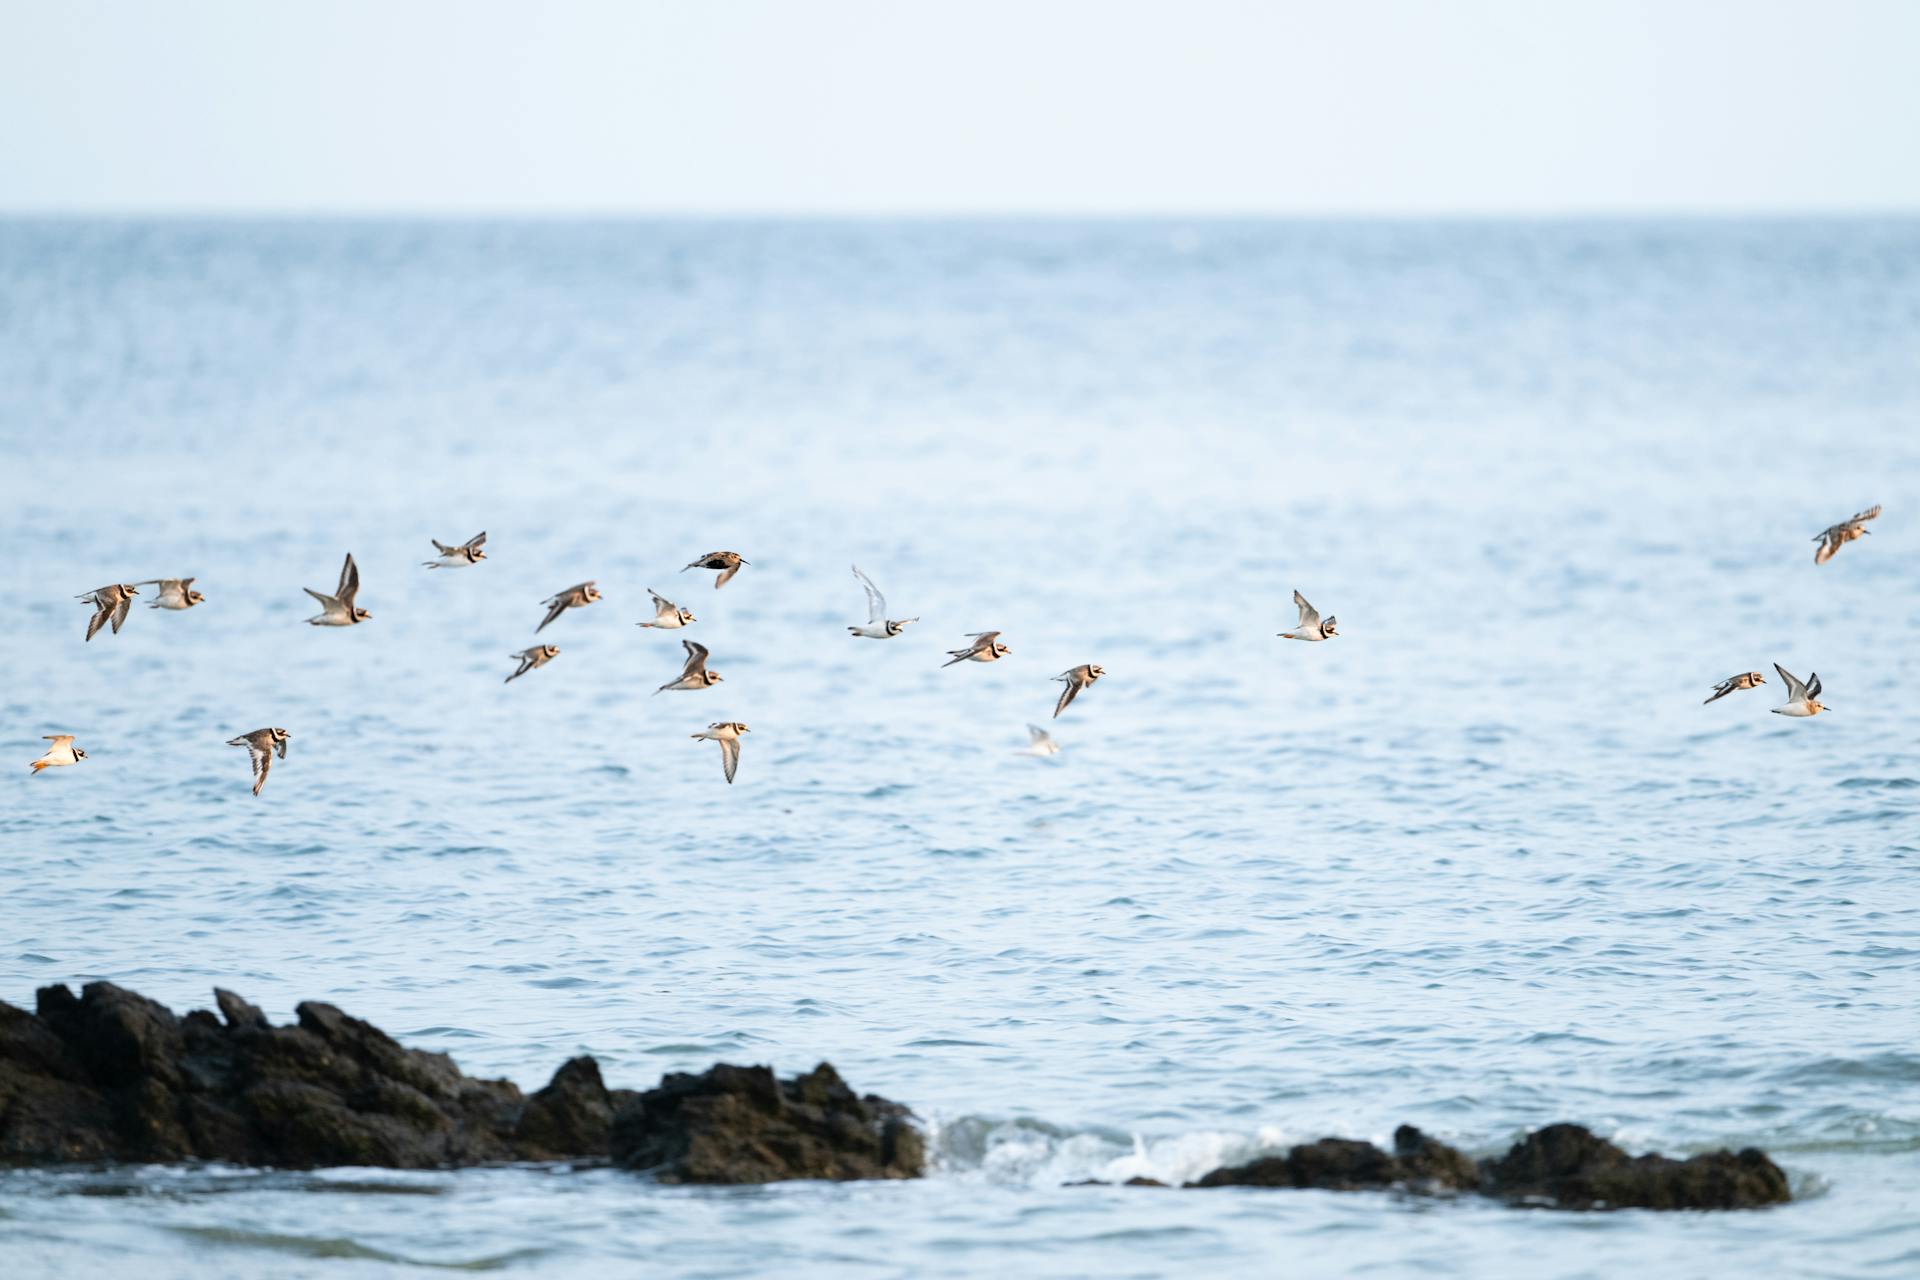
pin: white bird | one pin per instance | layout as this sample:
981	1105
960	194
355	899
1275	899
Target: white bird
175	593
338	609
109	602
459	557
1310	627
879	626
1039	743
695	674
61	752
1802	699
727	734
667	615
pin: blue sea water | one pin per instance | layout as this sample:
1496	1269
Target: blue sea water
1481	863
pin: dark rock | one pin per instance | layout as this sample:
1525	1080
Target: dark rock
1569	1167
1135	1181
1341	1164
111	1075
742	1124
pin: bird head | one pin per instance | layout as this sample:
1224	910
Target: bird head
194	597
1095	671
1000	650
478	554
551	650
687	618
360	615
593	592
738	727
713	678
1327	627
130	589
78	754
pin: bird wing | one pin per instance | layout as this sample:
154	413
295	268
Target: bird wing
1722	689
661	605
326	602
98	620
442	547
1309	616
727	576
1796	691
57	739
1036	735
349	582
557	606
477	541
120	612
262	764
730	755
696	658
1871	513
1066	695
1813	684
876	603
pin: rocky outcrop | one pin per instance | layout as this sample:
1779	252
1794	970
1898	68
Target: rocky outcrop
1561	1166
113	1076
1568	1167
1341	1164
741	1124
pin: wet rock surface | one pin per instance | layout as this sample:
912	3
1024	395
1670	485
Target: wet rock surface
1561	1166
741	1124
110	1075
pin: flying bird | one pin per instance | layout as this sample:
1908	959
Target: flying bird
538	656
728	562
986	647
727	734
459	557
879	626
1802	699
109	602
572	598
667	615
1039	743
61	752
1745	680
1081	677
175	593
338	609
261	744
1310	627
1839	535
695	674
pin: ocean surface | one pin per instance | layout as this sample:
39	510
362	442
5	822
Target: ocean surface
1482	862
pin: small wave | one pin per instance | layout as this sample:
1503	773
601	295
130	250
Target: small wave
343	1247
1027	1152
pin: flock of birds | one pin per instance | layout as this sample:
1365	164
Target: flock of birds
111	604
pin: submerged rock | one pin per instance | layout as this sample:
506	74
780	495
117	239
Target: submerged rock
1569	1167
113	1076
1561	1166
741	1124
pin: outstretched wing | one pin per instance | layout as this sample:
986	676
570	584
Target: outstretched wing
1722	689
1067	694
1036	735
876	603
1309	616
349	582
477	541
57	739
262	756
1795	690
556	607
727	575
1813	684
1870	513
730	756
696	658
98	620
120	612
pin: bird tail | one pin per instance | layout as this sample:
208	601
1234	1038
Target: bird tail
38	765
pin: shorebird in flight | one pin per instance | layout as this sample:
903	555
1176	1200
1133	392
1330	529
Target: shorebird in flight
1310	627
666	614
1802	699
175	593
695	674
1039	743
577	597
459	557
1081	677
538	656
1745	680
879	626
727	734
728	562
338	609
261	745
986	647
61	752
1834	537
110	602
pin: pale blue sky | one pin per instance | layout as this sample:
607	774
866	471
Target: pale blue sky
983	106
